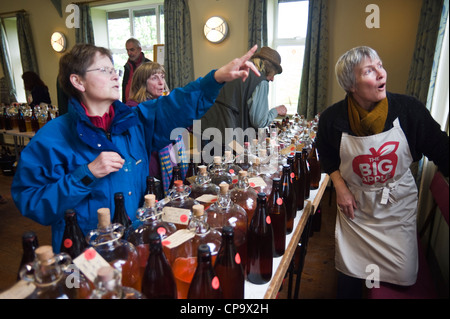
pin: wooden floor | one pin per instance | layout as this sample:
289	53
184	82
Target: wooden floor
318	280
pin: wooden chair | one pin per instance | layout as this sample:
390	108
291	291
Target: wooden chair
424	288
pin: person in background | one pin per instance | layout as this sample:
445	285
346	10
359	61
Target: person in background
246	104
366	144
101	146
37	88
149	83
135	59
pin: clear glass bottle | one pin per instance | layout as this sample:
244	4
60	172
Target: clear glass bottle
244	195
177	206
119	253
230	165
218	173
202	187
183	257
228	266
277	213
108	286
73	242
29	244
224	212
158	281
49	273
260	244
244	160
205	284
258	181
151	217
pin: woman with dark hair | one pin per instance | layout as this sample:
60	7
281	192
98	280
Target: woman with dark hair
37	88
101	146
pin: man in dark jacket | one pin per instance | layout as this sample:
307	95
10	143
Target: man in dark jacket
135	58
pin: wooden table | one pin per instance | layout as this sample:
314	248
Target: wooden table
281	264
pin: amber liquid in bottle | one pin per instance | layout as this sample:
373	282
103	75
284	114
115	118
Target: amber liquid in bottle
29	244
288	198
260	244
158	281
205	283
228	266
121	215
277	213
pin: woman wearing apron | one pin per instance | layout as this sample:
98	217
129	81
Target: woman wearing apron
367	143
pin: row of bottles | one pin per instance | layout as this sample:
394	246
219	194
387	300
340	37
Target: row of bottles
220	226
25	118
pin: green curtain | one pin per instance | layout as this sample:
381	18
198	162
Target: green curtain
257	23
5	63
418	83
178	56
85	32
26	44
314	82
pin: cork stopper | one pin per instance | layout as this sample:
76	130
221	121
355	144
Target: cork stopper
224	188
104	217
293	140
201	169
255	141
217	160
198	210
263	153
242	173
150	200
44	253
267	140
256	161
227	153
105	274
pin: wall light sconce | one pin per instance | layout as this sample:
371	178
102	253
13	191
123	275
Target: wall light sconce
58	42
215	29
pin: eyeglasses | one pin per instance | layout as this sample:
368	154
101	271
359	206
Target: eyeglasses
107	70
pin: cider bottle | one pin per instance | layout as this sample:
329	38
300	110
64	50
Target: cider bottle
277	213
307	172
29	244
244	195
299	167
108	286
218	173
176	175
288	192
314	166
205	283
119	253
152	188
260	244
202	189
121	215
73	242
228	266
158	281
178	205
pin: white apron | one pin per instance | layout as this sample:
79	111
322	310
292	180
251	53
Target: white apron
382	236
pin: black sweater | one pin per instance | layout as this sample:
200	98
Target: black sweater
423	133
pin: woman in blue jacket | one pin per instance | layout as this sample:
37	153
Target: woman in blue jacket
101	146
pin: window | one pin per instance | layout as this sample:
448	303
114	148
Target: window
143	23
289	35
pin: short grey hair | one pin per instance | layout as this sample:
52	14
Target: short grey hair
136	42
345	66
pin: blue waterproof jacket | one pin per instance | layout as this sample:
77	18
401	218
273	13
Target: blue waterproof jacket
53	175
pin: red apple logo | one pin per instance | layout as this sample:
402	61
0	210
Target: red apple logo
379	166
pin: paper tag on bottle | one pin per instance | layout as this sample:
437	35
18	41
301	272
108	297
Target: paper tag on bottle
177	238
207	198
256	182
176	215
89	262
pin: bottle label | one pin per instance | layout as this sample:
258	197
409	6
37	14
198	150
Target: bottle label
215	284
89	262
268	220
68	243
256	182
237	258
161	231
279	201
177	238
176	215
207	198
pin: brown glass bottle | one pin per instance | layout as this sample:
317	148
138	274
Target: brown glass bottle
73	242
34	121
158	281
307	172
29	244
121	215
228	266
277	213
314	166
176	175
152	188
7	121
190	173
290	161
21	121
260	244
288	197
205	283
299	167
